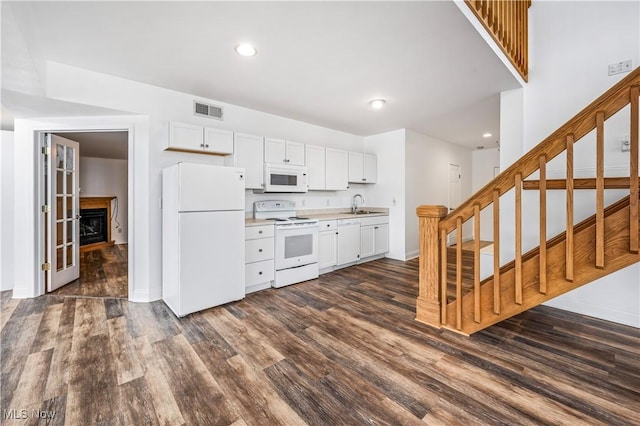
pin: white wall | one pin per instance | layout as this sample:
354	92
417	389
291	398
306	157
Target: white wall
571	44
483	165
102	177
427	174
153	107
389	192
6	211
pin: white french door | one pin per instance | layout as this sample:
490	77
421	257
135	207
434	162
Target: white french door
63	197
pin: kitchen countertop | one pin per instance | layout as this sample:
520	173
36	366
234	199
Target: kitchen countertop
324	215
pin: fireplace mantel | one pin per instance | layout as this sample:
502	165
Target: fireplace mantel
98	203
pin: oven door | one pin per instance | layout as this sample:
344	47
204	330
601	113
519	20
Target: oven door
296	245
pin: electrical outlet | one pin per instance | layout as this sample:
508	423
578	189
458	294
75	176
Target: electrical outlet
620	67
626	145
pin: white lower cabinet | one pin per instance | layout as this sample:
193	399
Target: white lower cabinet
327	245
259	261
374	236
348	241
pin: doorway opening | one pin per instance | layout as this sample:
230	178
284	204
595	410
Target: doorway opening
85	185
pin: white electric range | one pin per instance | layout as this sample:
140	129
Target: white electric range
296	242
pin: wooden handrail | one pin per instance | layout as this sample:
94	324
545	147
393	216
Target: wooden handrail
507	23
612	101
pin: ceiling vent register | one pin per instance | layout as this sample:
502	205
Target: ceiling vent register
205	110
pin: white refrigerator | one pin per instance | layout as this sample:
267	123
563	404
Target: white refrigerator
202	236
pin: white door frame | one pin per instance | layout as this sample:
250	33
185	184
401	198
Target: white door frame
29	252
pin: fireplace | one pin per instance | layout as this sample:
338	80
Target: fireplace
94	226
95	223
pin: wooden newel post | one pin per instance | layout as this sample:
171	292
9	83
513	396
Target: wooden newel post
428	302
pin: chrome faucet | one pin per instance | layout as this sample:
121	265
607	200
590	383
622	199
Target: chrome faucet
354	204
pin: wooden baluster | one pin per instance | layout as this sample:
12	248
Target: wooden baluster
569	234
633	168
476	263
443	275
496	251
459	273
543	224
600	189
428	302
518	256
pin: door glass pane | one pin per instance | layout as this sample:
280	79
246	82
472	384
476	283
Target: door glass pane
70	232
298	245
59	208
70	176
69	165
70	203
59	260
59	234
70	255
60	182
59	156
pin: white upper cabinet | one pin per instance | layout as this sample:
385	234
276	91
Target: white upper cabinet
315	167
279	151
369	168
363	168
248	153
337	169
199	139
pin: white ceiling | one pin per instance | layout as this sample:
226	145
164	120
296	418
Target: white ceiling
112	145
318	62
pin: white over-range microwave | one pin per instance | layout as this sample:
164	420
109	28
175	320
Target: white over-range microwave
284	178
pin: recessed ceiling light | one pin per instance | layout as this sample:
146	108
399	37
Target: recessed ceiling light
245	49
487	135
377	103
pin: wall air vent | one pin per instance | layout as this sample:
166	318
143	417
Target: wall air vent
209	111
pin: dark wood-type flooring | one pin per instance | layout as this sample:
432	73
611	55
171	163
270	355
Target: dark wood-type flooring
103	273
340	350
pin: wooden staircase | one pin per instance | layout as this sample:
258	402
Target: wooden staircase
598	246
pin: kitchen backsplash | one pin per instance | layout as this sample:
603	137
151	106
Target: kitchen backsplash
312	199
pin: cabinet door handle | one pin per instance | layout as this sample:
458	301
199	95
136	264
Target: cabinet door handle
259	232
336	233
363	179
207	146
201	145
260	250
375	227
260	273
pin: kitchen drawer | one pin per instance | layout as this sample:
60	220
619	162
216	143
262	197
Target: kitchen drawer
328	225
258	250
254	232
258	272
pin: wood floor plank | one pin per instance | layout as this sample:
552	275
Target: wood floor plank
197	394
61	358
48	329
165	406
128	366
247	341
136	403
17	337
30	388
